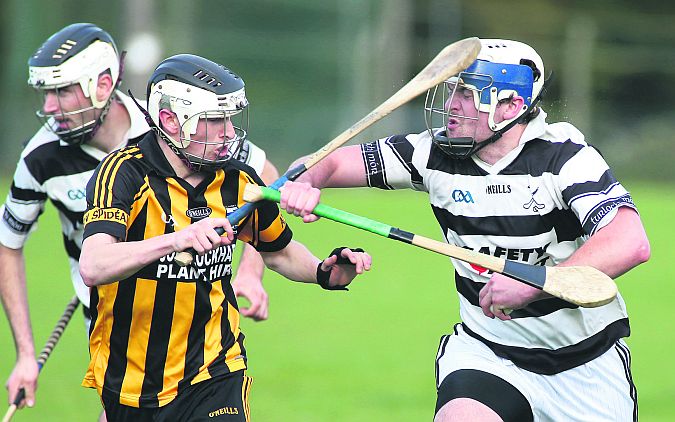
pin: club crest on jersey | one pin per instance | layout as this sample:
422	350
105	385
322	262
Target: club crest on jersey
198	213
459	195
533	204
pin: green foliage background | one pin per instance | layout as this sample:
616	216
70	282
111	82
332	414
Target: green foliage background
364	355
313	68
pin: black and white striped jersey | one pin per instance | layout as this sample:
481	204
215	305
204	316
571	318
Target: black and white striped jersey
51	169
536	205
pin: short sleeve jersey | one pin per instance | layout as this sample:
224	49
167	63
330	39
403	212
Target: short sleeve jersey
166	327
537	205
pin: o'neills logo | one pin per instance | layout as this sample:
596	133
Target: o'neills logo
224	411
199	213
115	215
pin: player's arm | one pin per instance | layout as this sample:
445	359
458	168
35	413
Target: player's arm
342	168
616	248
105	259
24	204
15	302
247	282
297	263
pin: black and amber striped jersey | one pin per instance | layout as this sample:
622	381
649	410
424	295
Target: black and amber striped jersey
537	205
166	327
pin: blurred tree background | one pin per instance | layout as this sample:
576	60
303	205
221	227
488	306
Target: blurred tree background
313	68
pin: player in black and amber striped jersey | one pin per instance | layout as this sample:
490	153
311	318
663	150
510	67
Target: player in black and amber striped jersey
165	343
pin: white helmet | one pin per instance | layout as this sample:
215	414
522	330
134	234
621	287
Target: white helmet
502	69
195	88
78	53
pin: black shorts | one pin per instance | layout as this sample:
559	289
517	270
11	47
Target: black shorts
490	390
220	399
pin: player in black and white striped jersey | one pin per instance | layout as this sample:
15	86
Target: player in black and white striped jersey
76	72
503	181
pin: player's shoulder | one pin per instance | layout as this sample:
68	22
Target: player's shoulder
46	156
122	169
126	160
139	126
564	132
41	144
407	142
558	145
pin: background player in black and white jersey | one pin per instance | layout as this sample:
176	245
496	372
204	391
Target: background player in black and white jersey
247	282
503	181
76	73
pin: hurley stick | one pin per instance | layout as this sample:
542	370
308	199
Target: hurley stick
46	351
581	285
450	61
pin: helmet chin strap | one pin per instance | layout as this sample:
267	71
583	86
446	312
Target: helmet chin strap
466	146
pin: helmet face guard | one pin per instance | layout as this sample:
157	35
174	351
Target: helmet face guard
76	126
75	56
211	138
503	70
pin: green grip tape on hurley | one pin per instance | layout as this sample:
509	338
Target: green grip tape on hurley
337	215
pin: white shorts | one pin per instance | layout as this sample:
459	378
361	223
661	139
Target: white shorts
600	390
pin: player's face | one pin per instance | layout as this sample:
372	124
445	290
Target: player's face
68	106
212	139
464	119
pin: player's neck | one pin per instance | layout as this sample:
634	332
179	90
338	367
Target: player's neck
182	170
500	148
111	135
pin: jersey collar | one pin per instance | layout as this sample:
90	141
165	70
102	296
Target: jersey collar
154	155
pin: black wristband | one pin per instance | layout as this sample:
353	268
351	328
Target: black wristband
323	277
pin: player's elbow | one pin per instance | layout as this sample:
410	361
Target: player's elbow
90	272
272	260
641	252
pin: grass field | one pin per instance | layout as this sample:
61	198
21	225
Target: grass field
365	355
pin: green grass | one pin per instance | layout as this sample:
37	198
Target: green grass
365	355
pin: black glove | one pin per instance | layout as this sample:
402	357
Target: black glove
323	277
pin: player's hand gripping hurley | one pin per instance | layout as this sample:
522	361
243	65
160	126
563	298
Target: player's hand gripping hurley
450	61
581	285
46	351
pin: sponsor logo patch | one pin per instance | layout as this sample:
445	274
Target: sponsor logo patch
114	215
599	212
535	255
228	410
15	224
497	189
198	213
